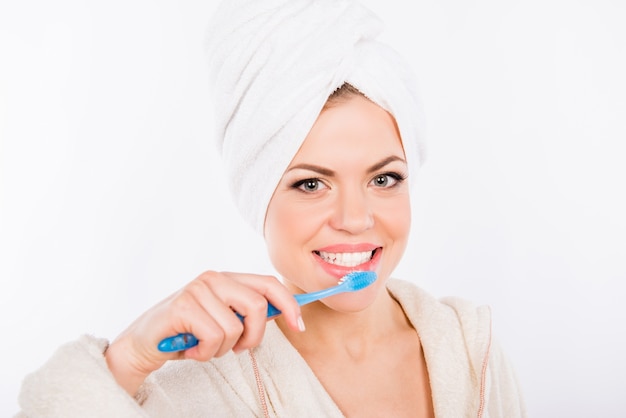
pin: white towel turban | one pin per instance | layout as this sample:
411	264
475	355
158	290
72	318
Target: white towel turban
273	64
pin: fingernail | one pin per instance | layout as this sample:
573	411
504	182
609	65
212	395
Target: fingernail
301	326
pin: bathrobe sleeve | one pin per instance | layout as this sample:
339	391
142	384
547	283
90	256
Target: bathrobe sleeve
76	382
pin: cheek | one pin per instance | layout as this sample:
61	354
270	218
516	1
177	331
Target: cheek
403	218
395	219
288	228
281	219
394	223
273	232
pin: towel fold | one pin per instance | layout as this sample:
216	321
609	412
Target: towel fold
273	64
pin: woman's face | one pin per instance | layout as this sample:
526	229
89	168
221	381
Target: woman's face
342	204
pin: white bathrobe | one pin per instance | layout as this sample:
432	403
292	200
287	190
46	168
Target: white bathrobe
469	375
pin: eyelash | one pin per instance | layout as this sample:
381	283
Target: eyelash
300	183
397	177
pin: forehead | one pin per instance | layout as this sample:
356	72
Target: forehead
351	127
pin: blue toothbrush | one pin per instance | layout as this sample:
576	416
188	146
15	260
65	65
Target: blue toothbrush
351	282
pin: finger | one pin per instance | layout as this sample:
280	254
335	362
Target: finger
189	316
224	326
254	313
275	293
234	292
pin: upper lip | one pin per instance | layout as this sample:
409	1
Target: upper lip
349	248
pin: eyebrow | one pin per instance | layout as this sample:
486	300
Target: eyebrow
327	172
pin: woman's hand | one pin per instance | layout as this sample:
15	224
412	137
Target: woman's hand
204	308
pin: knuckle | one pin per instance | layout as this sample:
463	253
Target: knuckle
194	287
233	330
208	277
217	335
258	303
183	302
269	279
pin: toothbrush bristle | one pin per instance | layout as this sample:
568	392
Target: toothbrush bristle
358	280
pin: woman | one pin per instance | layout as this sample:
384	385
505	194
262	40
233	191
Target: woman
318	124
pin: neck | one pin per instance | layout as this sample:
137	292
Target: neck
352	332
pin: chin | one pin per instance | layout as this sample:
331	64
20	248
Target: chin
353	302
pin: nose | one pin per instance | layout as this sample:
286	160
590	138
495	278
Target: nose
352	212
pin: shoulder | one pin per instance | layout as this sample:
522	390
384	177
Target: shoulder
455	320
455	310
456	331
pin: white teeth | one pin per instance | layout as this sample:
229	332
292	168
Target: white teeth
346	259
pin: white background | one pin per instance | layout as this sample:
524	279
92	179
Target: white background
111	196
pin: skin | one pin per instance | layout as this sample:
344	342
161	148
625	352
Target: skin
360	345
203	307
352	146
345	186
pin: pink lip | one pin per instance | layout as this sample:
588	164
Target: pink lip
340	271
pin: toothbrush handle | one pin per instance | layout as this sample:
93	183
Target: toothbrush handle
178	342
302	299
184	341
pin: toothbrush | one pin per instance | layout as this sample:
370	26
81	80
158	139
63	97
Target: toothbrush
351	282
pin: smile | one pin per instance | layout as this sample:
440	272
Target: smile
352	259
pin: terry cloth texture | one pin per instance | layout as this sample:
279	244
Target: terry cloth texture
273	64
469	374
